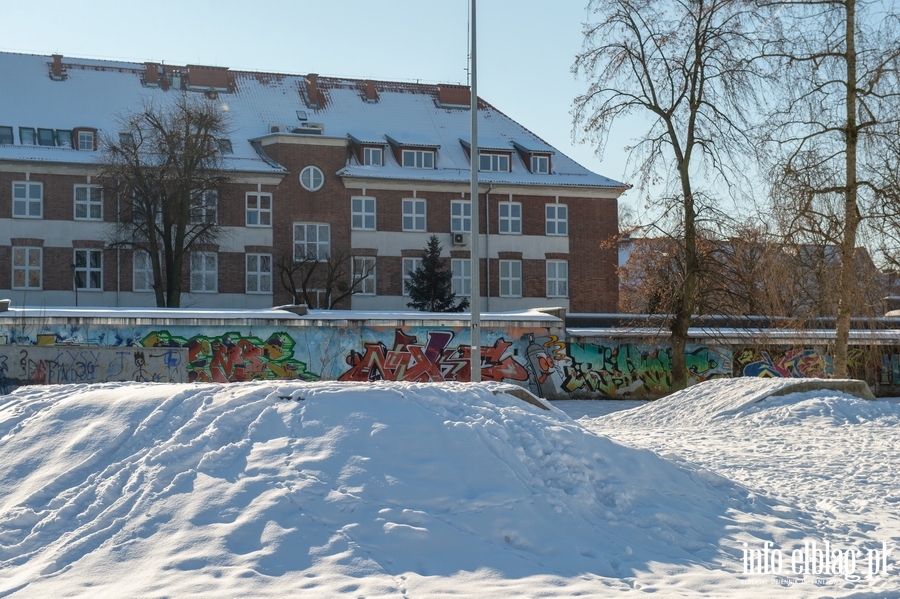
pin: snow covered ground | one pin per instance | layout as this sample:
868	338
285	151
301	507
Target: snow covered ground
397	489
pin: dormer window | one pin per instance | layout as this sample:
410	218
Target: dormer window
225	146
6	135
418	158
540	164
373	156
493	163
64	138
85	140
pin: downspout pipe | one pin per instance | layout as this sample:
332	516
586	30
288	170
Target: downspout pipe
487	247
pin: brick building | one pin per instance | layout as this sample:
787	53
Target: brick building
369	168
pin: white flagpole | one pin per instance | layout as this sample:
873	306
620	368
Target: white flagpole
475	297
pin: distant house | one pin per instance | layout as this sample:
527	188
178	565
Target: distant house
369	168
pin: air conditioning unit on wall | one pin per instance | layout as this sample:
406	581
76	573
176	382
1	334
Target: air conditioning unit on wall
275	128
460	238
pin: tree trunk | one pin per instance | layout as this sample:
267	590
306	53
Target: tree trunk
851	209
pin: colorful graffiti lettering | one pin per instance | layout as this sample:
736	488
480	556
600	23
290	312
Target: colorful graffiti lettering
435	360
783	363
234	357
637	370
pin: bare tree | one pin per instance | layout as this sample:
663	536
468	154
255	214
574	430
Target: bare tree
837	60
166	165
679	63
324	281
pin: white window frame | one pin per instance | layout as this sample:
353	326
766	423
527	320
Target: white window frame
258	278
510	218
540	164
141	269
413	218
373	156
321	249
460	216
510	278
557	278
29	195
489	162
461	283
86	141
205	207
424	159
204	272
409	264
362	265
312	178
91	202
27	268
89	269
258	209
362	213
557	224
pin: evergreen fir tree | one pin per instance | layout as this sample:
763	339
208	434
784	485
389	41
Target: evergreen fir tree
430	285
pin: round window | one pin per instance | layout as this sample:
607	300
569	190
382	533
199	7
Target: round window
312	178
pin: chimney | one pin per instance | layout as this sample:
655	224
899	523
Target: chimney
56	69
151	74
312	89
453	95
371	92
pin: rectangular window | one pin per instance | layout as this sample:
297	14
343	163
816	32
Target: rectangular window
410	265
204	272
142	272
46	137
28	199
557	219
510	218
413	215
364	268
86	141
26	136
461	284
510	278
362	213
460	216
89	270
259	209
373	156
312	241
497	163
26	268
205	208
557	278
6	135
64	138
88	202
418	158
540	165
225	146
259	273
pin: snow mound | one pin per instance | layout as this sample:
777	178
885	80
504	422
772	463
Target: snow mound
722	399
270	489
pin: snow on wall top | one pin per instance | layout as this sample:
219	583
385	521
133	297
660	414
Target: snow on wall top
97	93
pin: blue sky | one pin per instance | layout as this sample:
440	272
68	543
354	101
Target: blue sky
525	47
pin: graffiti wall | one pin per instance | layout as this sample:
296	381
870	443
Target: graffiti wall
48	365
550	365
788	362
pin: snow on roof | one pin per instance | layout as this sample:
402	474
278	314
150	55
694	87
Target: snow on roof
312	317
98	93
